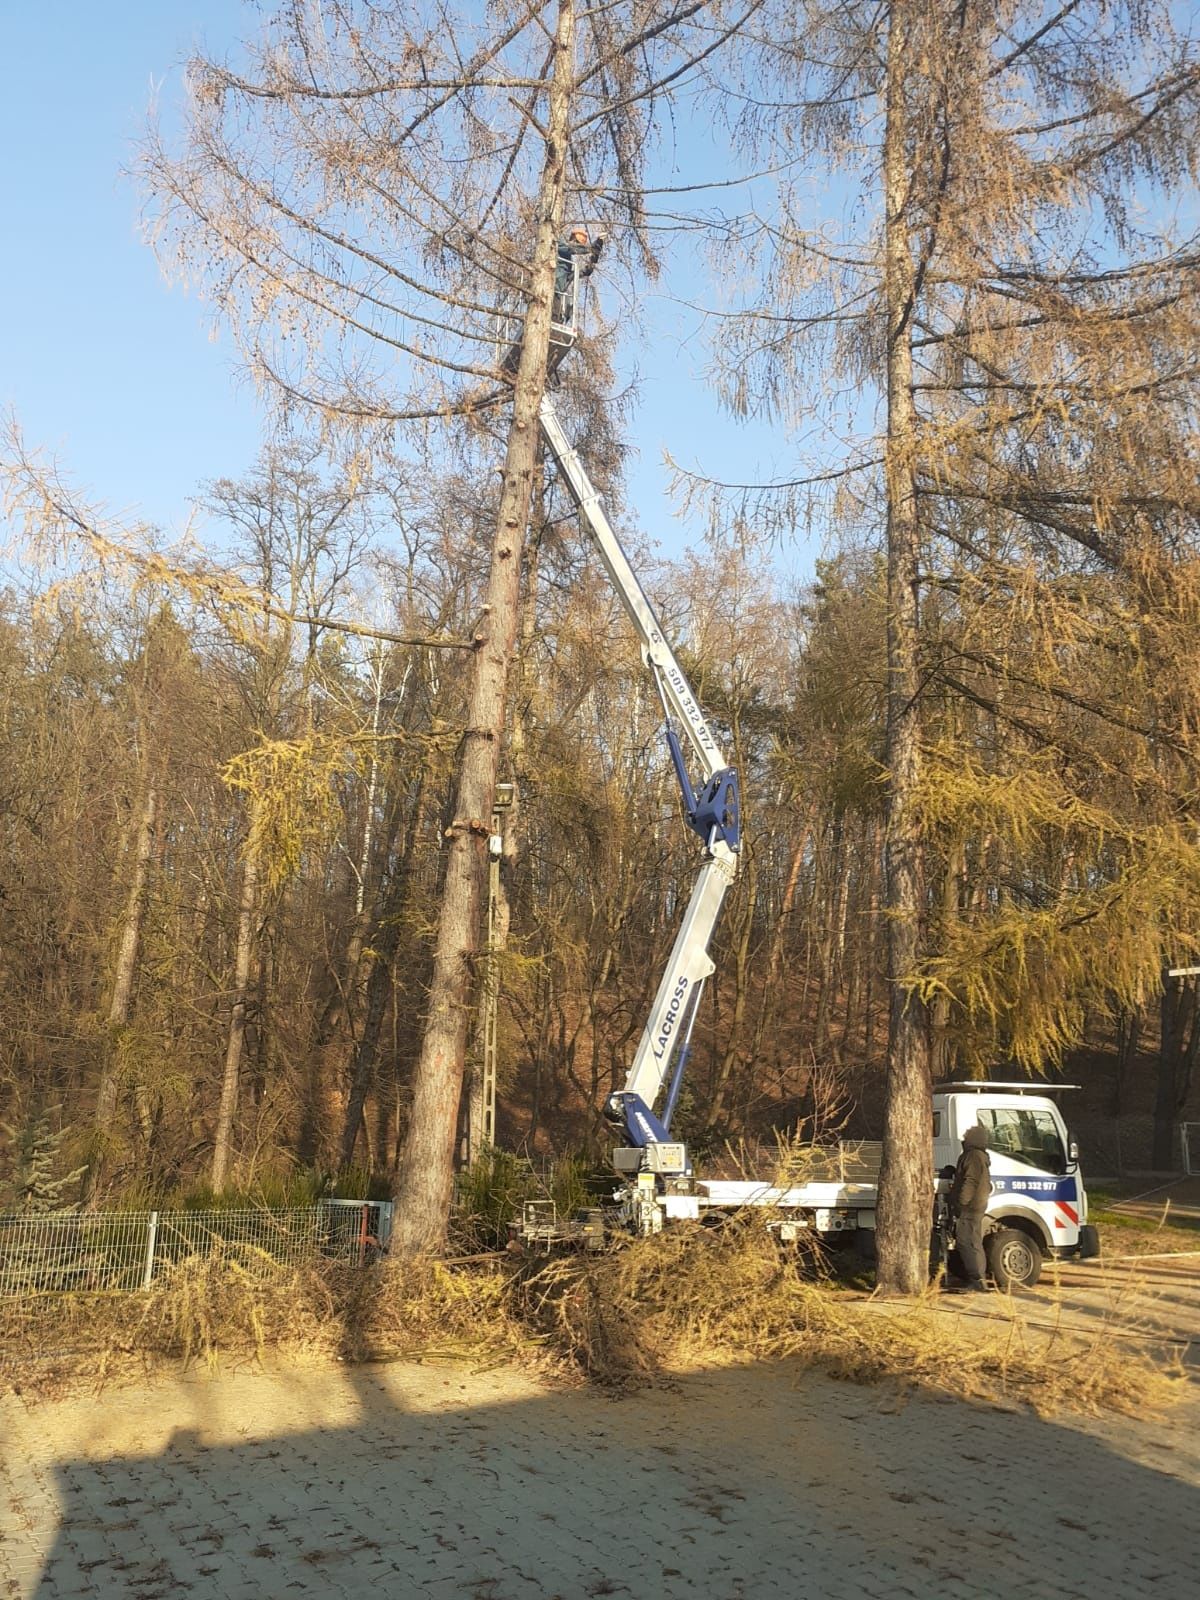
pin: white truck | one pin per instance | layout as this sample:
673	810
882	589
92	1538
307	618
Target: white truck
1037	1210
1038	1206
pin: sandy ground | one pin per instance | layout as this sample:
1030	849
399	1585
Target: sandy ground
453	1484
445	1483
1147	1299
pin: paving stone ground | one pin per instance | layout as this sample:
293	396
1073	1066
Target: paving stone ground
441	1483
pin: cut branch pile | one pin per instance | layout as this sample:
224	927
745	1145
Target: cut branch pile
623	1318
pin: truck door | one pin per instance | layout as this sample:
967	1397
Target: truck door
1031	1171
946	1144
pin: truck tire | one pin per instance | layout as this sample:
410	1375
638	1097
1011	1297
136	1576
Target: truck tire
1089	1242
1012	1258
864	1244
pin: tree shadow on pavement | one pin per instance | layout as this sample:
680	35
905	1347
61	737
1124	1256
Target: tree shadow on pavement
438	1481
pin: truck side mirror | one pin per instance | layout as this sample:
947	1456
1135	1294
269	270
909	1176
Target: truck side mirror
1072	1152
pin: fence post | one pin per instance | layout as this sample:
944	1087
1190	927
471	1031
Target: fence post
151	1241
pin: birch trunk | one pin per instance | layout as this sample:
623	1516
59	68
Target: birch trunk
127	958
426	1170
243	966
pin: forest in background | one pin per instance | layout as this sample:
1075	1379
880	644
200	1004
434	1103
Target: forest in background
132	729
228	787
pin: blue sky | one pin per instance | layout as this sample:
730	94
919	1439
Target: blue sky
123	378
103	365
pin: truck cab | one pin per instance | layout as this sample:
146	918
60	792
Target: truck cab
1038	1205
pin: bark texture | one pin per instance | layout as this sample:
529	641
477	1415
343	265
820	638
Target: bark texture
127	956
385	942
426	1170
906	1177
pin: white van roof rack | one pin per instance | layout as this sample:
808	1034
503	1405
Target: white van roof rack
979	1086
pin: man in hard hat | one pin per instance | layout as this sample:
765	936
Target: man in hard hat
969	1194
574	246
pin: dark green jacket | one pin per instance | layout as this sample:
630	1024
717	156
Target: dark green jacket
972	1184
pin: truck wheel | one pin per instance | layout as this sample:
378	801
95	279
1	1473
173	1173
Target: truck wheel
1012	1257
1089	1242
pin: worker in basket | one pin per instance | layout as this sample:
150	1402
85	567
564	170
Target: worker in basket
573	247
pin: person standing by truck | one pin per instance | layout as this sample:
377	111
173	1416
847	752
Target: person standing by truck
969	1194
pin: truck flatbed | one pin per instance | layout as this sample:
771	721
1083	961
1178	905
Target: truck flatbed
821	1200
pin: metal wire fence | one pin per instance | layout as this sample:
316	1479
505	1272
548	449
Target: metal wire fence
127	1251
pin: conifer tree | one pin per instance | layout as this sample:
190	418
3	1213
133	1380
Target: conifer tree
38	1184
992	294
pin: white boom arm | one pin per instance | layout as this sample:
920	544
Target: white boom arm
688	967
673	1012
656	652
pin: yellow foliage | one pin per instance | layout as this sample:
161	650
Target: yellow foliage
1029	963
291	787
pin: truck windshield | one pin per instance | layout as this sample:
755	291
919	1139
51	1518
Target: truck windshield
1027	1136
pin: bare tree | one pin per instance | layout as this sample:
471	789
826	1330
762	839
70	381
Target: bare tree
361	203
302	537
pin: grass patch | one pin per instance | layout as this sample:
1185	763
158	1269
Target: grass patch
1118	1237
1159	1227
1124	1233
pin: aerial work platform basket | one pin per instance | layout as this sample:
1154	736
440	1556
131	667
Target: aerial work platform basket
565	319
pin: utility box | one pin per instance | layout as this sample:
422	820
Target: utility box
669	1160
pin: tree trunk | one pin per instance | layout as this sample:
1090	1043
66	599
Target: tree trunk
830	925
489	997
511	826
426	1172
1128	1031
872	941
770	1005
1176	1062
121	1001
942	1066
385	941
127	958
906	1174
243	964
